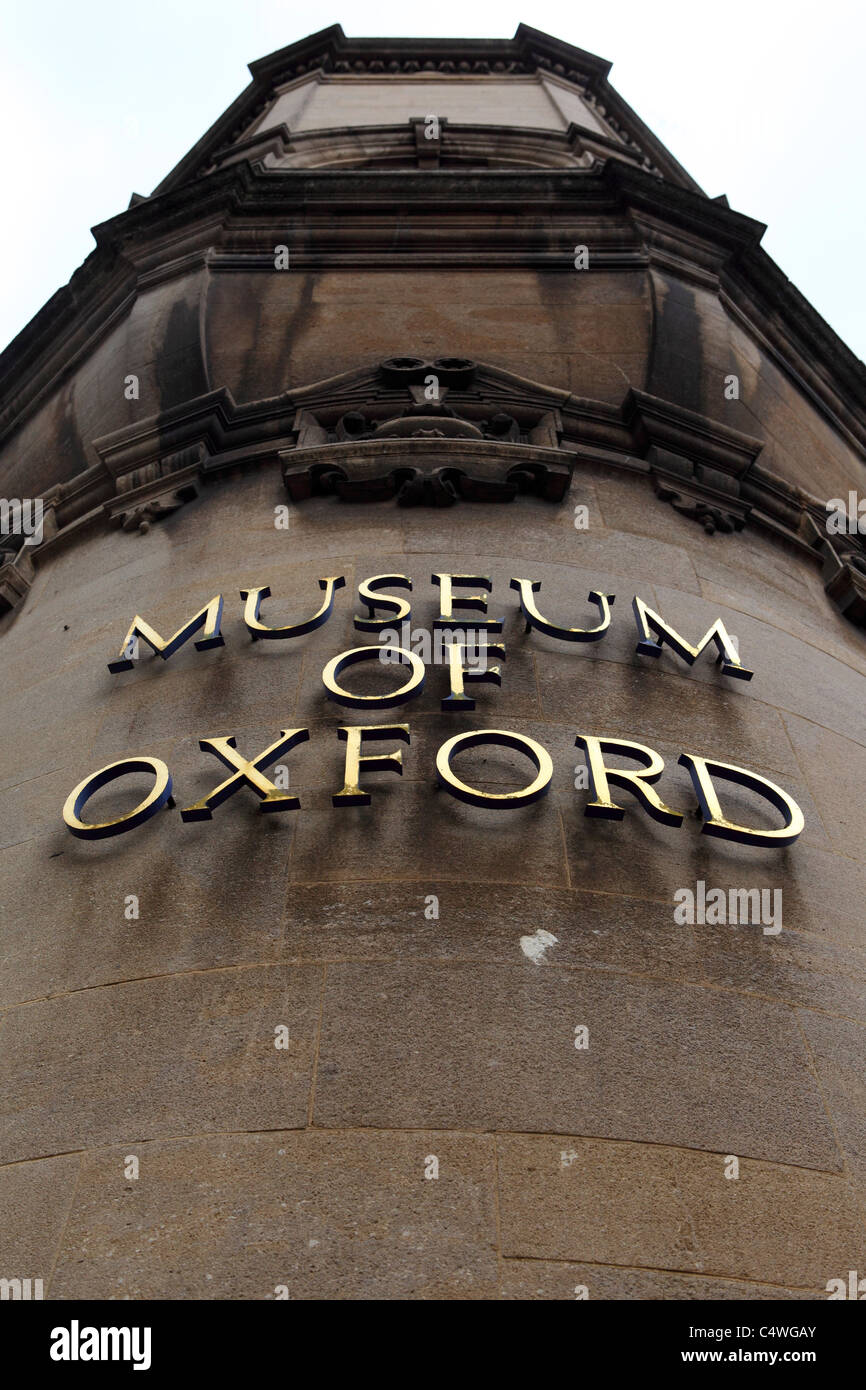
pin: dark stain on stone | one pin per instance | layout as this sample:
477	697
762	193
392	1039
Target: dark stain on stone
250	369
180	373
298	325
677	351
54	450
70	454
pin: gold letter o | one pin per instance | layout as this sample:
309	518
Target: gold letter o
504	800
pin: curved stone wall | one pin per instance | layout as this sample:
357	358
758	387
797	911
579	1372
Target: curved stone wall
423	1048
261	334
402	944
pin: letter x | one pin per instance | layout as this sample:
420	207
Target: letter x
248	773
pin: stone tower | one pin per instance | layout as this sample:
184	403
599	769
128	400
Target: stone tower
419	308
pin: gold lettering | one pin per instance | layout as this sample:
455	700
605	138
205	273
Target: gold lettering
458	673
716	822
538	755
476	602
158	796
208	617
247	773
718	633
600	775
398	608
351	795
338	664
527	587
253	602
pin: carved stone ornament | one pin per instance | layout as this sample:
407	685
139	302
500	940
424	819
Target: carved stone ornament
16	577
843	568
140	516
429	432
707	495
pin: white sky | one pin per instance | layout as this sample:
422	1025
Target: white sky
759	99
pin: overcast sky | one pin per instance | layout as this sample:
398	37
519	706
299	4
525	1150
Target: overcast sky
758	99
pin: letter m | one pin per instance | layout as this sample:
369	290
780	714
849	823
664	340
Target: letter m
10	1288
115	1343
645	619
208	618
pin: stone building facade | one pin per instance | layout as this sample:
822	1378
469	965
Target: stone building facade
416	308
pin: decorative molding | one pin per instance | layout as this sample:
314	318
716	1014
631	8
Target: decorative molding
419	471
482	435
460	145
693	491
16	577
150	491
227	221
695	464
843	565
845	582
141	515
18	558
660	424
275	140
154	474
330	54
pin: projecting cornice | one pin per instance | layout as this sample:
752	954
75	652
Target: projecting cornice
331	52
345	219
484	436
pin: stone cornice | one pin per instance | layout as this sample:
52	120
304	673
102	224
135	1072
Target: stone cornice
343	148
331	52
529	49
655	423
372	434
218	216
629	213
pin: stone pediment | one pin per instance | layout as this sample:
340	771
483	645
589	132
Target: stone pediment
404	396
428	431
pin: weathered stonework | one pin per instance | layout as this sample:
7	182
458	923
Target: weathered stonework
284	429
